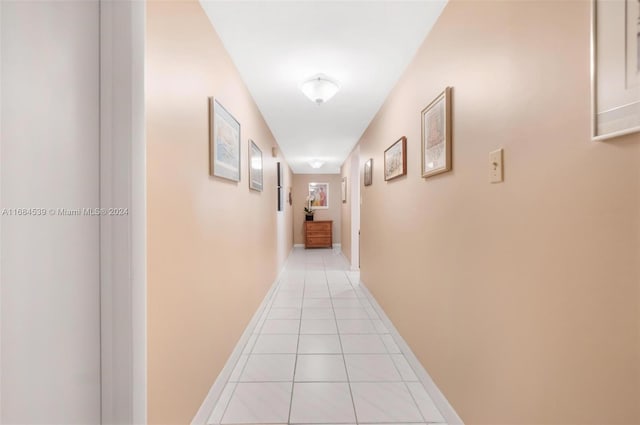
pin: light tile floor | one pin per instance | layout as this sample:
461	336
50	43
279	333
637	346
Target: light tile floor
321	355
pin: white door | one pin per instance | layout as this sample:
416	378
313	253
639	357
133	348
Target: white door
49	264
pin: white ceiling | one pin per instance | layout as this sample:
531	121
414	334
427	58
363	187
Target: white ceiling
364	45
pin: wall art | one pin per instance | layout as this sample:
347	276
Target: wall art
368	172
436	135
615	67
255	167
395	159
319	196
224	142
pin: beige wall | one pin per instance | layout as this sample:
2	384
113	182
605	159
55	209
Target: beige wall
214	246
300	191
521	298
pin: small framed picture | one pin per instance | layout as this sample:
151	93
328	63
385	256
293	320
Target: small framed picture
344	190
224	142
368	172
436	135
255	167
279	186
319	196
395	159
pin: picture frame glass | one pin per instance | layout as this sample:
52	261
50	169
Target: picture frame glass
368	172
395	159
224	143
279	186
436	135
255	167
344	190
615	68
319	195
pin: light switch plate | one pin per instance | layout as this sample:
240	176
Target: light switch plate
495	166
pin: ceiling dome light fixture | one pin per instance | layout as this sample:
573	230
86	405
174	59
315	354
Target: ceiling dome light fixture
319	88
316	163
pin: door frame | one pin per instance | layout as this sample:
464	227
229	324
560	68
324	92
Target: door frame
355	209
123	238
1	206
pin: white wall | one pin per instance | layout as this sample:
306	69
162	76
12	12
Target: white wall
50	303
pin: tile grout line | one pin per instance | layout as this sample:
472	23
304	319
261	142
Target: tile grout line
263	316
344	360
326	382
331	304
295	363
415	402
389	353
406	385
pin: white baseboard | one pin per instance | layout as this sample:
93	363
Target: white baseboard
337	245
442	404
209	403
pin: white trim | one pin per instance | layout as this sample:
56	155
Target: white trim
209	403
337	245
355	209
139	214
122	237
442	404
616	134
1	206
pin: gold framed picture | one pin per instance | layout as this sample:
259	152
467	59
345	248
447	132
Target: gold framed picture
436	135
395	159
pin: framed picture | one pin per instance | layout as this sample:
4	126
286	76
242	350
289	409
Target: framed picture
279	186
436	135
395	159
224	142
368	172
615	67
319	196
255	167
344	190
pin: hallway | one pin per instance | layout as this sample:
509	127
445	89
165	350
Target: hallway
321	353
475	165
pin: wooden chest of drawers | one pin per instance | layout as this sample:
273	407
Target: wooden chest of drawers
318	234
